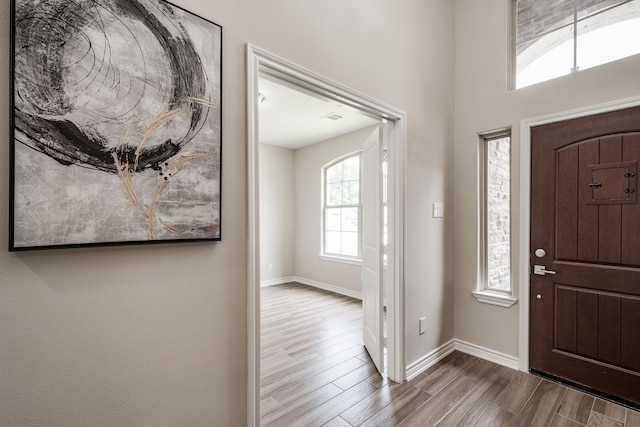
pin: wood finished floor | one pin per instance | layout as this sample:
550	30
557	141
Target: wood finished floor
315	372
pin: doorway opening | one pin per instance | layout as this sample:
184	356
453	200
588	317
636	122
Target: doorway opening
262	63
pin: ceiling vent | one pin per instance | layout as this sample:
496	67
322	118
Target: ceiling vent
333	116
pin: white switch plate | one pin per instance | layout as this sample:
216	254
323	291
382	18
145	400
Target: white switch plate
438	210
423	325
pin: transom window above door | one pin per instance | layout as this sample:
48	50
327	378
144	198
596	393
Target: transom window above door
341	208
558	37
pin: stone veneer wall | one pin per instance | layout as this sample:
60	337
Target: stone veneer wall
498	214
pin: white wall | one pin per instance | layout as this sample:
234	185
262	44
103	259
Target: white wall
308	176
483	103
156	335
131	336
277	212
425	91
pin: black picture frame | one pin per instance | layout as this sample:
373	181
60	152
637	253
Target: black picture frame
116	124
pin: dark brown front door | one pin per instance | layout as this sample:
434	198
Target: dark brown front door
585	216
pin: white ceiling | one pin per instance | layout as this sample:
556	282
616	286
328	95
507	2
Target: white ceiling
292	119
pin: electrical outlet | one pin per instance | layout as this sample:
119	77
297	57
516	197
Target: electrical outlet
270	266
423	325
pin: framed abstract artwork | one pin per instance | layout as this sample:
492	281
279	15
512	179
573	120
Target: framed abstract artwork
116	124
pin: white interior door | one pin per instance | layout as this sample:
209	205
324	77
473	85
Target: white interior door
372	229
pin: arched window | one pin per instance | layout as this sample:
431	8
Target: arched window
341	207
559	37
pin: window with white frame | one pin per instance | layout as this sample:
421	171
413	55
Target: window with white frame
495	224
557	37
342	210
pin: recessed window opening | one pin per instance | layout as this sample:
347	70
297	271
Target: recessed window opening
558	37
342	209
496	218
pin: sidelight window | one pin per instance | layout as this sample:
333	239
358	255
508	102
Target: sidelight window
495	224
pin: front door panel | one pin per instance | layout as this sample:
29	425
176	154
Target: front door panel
585	318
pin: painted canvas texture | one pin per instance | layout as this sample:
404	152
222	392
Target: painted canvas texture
116	123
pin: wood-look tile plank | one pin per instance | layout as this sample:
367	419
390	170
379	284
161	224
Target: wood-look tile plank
633	418
517	393
357	375
299	371
610	409
275	360
560	421
599	420
439	405
337	422
287	414
335	406
542	405
450	365
268	406
279	371
495	416
325	342
576	406
437	379
304	339
476	369
330	350
267	390
477	402
398	410
378	380
375	402
301	330
315	382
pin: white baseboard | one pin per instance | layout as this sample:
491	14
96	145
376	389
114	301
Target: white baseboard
421	365
314	283
328	287
424	363
488	354
278	281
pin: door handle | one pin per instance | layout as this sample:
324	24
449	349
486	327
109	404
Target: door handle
540	270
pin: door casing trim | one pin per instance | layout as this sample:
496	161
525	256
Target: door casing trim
525	204
259	61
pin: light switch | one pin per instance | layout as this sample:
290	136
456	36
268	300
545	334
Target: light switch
438	210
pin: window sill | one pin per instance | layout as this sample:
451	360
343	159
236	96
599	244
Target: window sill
333	258
494	298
